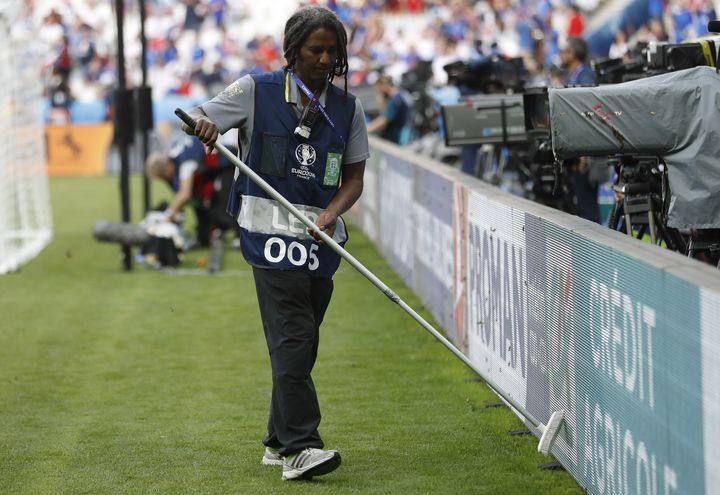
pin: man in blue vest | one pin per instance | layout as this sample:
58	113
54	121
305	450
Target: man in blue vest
307	138
177	168
196	179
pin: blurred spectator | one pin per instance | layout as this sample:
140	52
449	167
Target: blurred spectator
657	30
215	78
52	29
84	47
655	9
619	47
60	101
64	63
414	6
682	19
704	13
195	12
576	22
217	11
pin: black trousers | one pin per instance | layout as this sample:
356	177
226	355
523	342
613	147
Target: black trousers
292	307
586	201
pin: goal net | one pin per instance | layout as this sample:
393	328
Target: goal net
25	213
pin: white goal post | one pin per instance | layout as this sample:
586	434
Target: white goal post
25	212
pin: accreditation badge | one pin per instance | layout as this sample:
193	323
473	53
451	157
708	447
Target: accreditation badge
333	164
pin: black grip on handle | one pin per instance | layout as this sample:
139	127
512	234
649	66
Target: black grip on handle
185	118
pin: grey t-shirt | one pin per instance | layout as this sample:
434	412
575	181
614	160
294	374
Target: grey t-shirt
234	107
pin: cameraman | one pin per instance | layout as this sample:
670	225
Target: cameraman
394	123
573	54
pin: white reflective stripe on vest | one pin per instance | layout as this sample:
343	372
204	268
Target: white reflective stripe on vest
267	216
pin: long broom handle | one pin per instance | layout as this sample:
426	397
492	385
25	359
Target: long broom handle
361	268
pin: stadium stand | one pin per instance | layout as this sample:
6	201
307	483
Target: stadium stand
198	46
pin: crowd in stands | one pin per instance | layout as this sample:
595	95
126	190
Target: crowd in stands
196	47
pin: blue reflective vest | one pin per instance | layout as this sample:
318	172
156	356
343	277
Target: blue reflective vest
305	171
185	149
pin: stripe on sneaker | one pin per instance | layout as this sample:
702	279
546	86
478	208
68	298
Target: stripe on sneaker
301	458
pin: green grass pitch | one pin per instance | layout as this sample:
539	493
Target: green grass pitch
151	383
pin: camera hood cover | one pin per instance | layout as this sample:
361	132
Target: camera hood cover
675	116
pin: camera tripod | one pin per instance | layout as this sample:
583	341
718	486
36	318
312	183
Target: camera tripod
641	191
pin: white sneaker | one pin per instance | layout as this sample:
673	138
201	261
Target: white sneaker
310	462
272	457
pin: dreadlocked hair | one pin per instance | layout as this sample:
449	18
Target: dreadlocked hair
305	21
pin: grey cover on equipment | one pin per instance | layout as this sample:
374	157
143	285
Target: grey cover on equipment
675	116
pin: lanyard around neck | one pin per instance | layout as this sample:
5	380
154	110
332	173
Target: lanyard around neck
315	101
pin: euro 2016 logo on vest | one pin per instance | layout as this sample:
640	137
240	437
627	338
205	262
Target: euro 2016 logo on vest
305	154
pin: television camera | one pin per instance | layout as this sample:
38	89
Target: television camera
416	82
493	126
485	119
500	121
492	120
487	75
651	59
666	159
